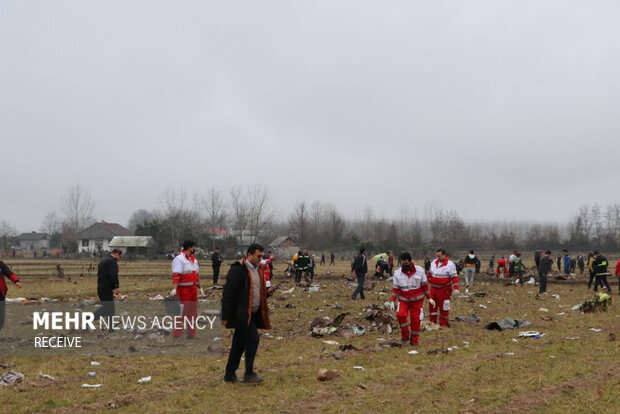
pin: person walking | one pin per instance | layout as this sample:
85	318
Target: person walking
444	280
244	309
359	268
186	283
599	265
591	269
216	263
546	265
409	288
303	265
108	286
471	265
6	271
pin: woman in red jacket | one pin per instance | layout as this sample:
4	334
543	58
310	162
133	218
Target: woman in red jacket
5	271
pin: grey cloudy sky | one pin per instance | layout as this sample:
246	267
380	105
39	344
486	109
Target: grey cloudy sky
498	109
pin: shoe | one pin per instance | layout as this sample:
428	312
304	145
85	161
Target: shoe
230	378
252	378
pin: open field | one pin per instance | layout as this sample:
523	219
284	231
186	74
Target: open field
570	369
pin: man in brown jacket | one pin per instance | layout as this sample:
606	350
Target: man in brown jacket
244	309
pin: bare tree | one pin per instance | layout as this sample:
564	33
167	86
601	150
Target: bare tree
6	231
298	222
214	208
239	210
77	206
50	224
260	212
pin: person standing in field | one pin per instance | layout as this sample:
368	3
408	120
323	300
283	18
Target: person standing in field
618	274
559	263
186	283
444	280
566	262
390	262
599	265
580	263
216	263
519	270
409	288
546	266
244	309
5	271
108	286
492	263
471	265
359	268
332	257
322	259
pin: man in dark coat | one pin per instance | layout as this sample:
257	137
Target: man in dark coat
5	271
545	267
216	260
107	285
244	309
359	268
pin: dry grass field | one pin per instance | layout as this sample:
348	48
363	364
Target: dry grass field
571	369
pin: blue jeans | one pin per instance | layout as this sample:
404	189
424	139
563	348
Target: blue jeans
360	287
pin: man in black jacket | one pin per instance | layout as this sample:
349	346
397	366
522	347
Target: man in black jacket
546	265
244	309
216	259
359	268
599	265
107	285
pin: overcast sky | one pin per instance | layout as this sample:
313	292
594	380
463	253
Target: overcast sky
498	109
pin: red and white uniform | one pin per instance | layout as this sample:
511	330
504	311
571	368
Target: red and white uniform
502	269
410	289
186	281
267	272
442	277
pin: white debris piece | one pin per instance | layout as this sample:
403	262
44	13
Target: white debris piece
144	379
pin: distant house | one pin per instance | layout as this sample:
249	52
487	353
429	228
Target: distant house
97	237
132	244
217	234
283	246
34	241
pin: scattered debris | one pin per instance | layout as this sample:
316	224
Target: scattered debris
330	342
289	306
291	290
158	297
359	368
560	277
509	353
359	330
314	288
572	338
612	336
473	318
482	306
532	281
531	334
45	376
595	330
362	387
92	374
412	352
479	294
91	385
11	377
144	379
348	347
507	323
327	374
429	326
95	363
339	354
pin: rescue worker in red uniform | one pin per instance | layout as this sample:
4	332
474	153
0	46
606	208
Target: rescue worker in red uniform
443	279
410	286
186	285
6	271
502	268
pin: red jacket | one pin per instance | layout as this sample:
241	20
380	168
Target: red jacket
5	271
618	268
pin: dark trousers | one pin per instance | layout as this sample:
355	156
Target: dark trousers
244	340
542	285
2	310
600	280
591	280
106	296
216	274
360	287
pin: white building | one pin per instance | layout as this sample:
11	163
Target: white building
34	241
97	237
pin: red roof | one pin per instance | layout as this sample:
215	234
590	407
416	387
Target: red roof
217	231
